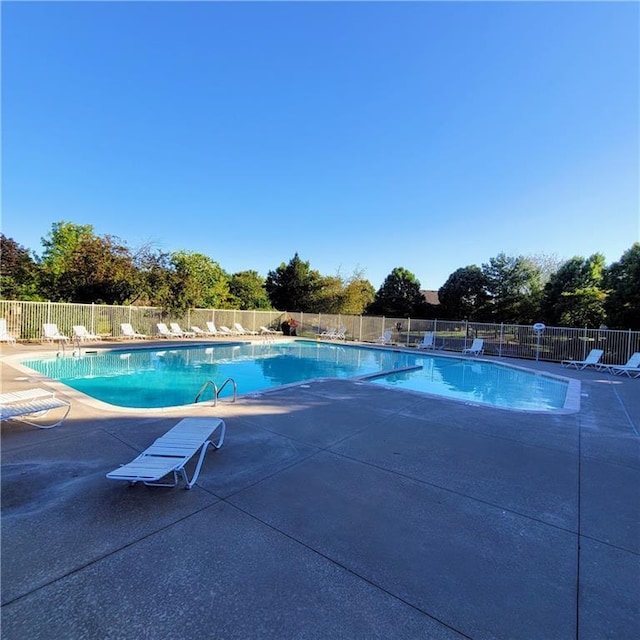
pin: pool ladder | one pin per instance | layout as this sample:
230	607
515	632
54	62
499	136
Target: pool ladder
216	391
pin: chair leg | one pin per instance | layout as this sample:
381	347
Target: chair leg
196	471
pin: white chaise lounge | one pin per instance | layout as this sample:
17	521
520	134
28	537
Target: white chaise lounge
631	368
178	330
30	404
265	331
81	333
592	360
166	459
201	332
51	333
129	332
165	332
213	331
476	348
428	341
241	331
5	336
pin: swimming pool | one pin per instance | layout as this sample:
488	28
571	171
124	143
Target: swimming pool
157	378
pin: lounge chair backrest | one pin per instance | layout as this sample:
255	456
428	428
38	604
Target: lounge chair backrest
634	360
427	340
211	326
50	330
5	336
80	331
162	328
594	356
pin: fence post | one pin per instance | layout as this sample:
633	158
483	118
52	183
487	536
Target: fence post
501	338
360	330
408	330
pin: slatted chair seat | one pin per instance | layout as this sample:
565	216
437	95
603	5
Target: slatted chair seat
164	461
35	403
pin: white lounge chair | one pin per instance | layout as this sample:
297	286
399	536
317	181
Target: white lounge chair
476	348
129	332
385	338
80	333
428	341
32	403
592	360
213	331
5	336
165	332
267	331
341	333
631	368
52	334
177	329
226	331
200	332
329	334
160	464
240	330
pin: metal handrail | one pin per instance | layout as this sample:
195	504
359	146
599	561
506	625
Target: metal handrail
203	387
216	391
235	388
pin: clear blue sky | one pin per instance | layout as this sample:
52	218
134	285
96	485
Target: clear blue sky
361	135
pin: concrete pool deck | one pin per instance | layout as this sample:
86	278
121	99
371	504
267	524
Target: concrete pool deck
339	509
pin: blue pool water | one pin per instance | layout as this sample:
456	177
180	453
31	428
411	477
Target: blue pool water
154	378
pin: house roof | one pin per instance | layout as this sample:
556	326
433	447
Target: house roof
430	295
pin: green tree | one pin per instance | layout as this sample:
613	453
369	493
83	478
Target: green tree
399	296
101	270
574	294
19	272
622	280
78	266
248	290
156	278
330	297
293	286
358	294
464	294
200	282
514	287
582	307
64	239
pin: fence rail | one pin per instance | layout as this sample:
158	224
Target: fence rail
25	322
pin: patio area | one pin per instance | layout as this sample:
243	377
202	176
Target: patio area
340	509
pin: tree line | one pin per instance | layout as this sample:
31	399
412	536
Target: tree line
77	265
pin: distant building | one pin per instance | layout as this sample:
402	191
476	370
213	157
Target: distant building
430	296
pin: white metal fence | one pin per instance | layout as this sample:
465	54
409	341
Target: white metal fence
25	322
